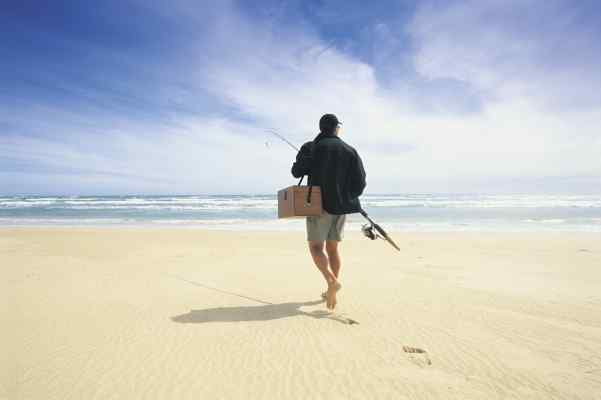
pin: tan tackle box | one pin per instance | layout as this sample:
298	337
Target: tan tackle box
292	201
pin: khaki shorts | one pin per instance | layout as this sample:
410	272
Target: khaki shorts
325	227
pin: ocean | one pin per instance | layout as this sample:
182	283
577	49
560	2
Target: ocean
396	212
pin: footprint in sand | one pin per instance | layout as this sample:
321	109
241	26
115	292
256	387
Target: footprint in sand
417	350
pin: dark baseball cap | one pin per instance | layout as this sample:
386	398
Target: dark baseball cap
328	122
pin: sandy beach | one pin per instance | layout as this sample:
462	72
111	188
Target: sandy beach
118	313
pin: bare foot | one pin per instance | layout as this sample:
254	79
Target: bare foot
324	295
331	295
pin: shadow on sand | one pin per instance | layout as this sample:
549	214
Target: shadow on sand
264	312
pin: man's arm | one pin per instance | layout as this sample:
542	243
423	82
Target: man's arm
302	164
358	182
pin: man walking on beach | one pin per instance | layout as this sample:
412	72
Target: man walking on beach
337	168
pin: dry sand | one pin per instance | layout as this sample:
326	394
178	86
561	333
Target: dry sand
99	313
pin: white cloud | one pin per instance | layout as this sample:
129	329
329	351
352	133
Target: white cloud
546	51
284	77
511	137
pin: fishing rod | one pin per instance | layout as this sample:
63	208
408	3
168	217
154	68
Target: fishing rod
283	138
368	230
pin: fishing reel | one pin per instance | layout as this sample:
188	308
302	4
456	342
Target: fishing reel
370	231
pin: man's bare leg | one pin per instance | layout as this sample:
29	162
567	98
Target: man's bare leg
334	261
321	261
333	256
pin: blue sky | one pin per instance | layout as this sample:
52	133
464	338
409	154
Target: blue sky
175	97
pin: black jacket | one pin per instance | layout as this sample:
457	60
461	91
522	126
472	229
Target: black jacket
337	168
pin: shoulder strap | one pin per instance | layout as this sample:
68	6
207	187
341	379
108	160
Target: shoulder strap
303	177
308	200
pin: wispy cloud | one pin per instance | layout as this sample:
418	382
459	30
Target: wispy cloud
461	96
546	51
